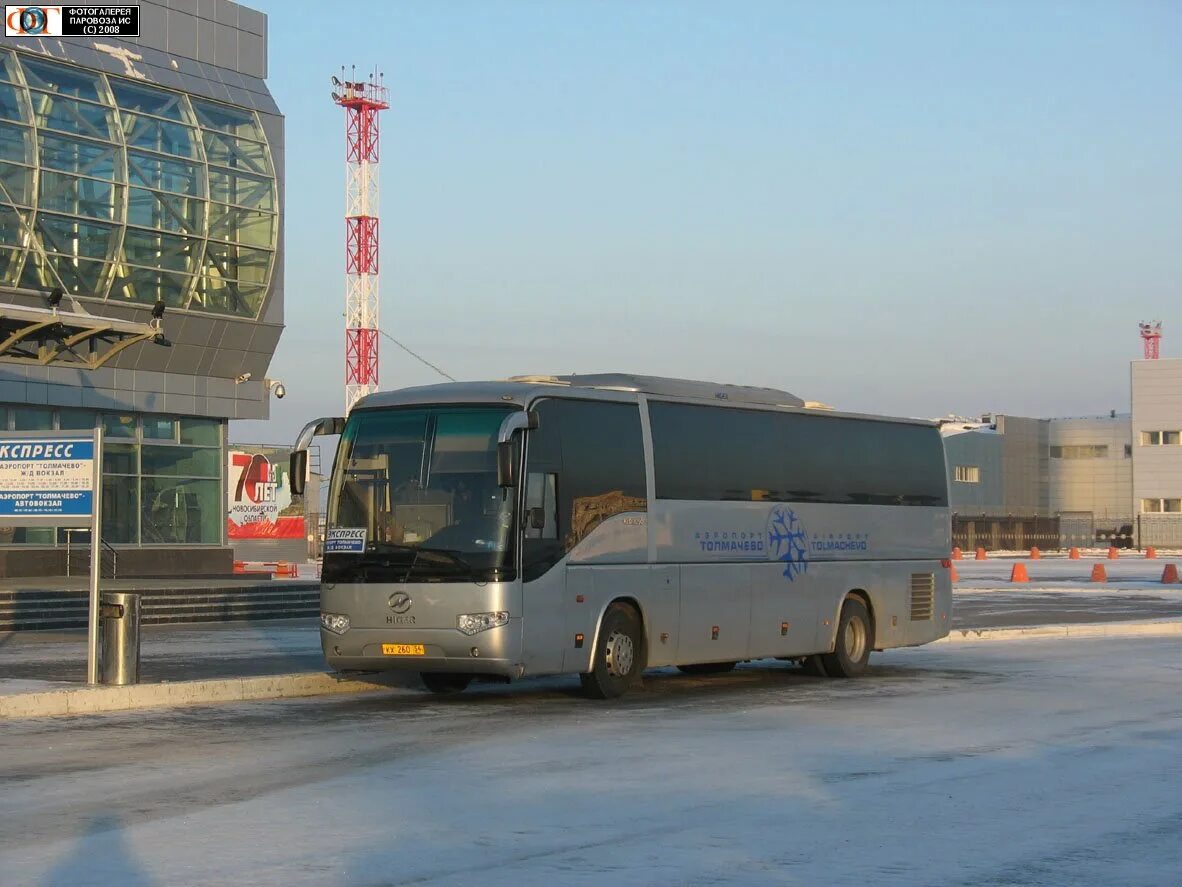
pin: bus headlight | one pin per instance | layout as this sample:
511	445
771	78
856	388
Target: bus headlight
334	622
474	623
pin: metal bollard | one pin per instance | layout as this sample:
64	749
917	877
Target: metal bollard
119	616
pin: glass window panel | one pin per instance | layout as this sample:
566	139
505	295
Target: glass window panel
163	174
225	150
3	418
67	115
115	425
13	226
228	119
10	263
75	237
158	102
32	419
75	420
1170	438
95	159
163	136
12	105
155	250
63	80
238	262
159	428
230	186
27	536
16	143
82	277
8	67
92	198
147	286
181	511
202	432
241	225
220	296
180	461
121	509
120	458
169	212
18	184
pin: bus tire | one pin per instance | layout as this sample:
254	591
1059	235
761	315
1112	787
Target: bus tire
706	667
444	683
855	640
619	654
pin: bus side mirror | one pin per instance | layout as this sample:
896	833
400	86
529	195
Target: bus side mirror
298	467
506	463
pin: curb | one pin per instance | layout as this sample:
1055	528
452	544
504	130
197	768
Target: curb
1160	627
97	700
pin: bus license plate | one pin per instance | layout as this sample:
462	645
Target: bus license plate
403	650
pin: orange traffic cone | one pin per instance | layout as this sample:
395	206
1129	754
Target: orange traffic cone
1113	554
1073	554
957	554
1098	574
956	577
1035	554
1018	574
1150	553
1169	576
980	554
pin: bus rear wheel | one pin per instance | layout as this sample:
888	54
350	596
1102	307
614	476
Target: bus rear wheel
855	640
619	654
706	667
445	684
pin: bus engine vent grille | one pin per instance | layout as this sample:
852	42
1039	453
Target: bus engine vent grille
923	594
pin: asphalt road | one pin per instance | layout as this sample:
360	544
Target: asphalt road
1022	763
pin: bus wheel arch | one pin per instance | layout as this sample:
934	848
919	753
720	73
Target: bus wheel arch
620	651
869	604
854	639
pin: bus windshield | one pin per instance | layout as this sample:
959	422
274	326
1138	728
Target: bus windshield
421	485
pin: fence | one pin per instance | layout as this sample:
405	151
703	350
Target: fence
1067	529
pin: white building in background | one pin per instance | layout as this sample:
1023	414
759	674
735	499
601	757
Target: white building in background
1091	468
1156	393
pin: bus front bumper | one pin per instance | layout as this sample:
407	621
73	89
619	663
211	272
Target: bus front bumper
494	652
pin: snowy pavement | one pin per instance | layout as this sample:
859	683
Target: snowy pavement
1024	763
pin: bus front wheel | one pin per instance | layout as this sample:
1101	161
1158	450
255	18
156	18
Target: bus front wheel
855	640
619	654
443	683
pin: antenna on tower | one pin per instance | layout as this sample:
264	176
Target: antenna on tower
1151	336
362	103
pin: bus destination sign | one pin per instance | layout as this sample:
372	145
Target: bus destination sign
71	21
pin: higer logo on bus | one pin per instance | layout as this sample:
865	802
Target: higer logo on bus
32	21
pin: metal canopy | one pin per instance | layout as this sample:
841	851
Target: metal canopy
47	336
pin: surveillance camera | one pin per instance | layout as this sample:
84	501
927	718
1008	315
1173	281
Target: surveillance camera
276	388
245	377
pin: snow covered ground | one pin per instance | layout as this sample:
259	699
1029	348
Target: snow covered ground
1022	763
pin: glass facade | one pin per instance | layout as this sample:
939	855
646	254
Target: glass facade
163	476
133	193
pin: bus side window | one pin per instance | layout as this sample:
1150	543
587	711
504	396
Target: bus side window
541	505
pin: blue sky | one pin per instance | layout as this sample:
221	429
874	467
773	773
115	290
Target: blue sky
908	208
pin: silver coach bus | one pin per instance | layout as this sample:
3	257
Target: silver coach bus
601	525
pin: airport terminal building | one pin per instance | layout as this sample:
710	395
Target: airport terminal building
141	176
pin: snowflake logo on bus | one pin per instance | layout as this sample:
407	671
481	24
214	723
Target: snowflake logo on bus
787	541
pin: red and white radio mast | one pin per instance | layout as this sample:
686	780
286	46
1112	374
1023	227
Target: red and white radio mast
1151	335
362	100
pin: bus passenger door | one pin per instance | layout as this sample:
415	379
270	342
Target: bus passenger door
543	587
